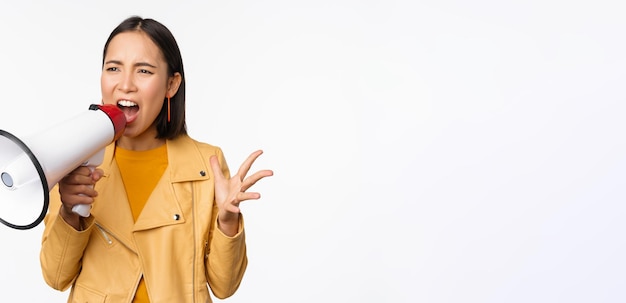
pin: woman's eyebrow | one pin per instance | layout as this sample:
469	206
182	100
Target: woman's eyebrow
144	64
138	64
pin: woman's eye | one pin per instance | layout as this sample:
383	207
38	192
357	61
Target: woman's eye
144	71
112	69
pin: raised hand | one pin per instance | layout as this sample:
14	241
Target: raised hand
230	192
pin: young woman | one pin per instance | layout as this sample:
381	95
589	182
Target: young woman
165	223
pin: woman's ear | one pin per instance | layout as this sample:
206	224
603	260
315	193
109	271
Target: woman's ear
173	83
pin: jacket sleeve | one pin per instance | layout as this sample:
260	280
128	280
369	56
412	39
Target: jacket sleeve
226	262
62	246
226	258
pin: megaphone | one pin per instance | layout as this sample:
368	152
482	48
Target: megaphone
30	168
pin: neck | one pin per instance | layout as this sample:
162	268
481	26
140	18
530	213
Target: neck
140	143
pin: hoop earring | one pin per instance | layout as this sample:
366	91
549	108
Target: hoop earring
168	109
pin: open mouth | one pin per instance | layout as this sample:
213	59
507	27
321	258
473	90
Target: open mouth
129	108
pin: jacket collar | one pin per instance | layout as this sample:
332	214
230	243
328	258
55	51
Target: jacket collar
185	163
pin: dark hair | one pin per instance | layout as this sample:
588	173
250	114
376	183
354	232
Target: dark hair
164	40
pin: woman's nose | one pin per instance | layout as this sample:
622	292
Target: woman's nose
127	83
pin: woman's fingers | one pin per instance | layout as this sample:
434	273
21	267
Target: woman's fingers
233	206
81	175
254	178
245	167
77	186
233	191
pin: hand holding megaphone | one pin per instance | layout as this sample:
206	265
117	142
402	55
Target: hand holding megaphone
29	168
84	210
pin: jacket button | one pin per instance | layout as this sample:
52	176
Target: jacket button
202	173
176	217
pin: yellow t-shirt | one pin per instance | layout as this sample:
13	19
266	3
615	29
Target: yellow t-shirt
141	171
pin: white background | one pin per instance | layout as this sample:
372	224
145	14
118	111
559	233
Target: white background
424	151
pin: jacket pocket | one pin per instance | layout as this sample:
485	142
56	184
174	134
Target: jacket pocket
82	294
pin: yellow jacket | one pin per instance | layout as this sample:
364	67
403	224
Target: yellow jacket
174	244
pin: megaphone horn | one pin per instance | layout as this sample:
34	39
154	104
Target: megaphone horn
29	168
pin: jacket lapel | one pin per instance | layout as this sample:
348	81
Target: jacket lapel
185	163
112	211
162	208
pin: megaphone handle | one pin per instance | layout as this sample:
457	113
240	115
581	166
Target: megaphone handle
84	210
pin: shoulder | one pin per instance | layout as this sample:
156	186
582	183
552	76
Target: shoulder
188	156
186	144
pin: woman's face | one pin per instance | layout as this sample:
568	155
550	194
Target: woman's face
135	78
